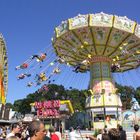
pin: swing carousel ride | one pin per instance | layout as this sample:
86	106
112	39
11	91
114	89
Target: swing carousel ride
3	71
99	44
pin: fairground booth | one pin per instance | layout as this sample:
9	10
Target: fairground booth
53	112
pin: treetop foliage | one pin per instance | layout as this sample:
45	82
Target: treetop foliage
77	97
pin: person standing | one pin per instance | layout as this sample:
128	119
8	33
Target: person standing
73	135
114	134
57	133
53	136
136	135
105	135
47	137
15	129
122	133
36	130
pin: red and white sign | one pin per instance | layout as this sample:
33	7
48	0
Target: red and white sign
47	108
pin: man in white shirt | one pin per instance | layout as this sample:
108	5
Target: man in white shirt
73	135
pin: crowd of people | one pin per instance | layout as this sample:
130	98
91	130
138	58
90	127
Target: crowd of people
36	131
111	134
32	131
115	134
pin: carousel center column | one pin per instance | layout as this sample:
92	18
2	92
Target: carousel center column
101	81
102	86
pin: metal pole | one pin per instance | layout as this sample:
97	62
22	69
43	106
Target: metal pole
104	109
103	92
117	107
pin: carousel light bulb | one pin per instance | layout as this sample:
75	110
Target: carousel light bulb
51	63
90	91
126	43
89	55
85	43
117	57
138	51
114	59
85	62
120	48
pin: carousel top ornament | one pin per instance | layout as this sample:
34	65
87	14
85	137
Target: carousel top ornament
84	37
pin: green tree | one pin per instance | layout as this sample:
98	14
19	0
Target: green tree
17	104
55	92
137	95
77	97
10	105
126	94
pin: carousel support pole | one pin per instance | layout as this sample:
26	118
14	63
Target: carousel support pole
103	92
117	115
117	108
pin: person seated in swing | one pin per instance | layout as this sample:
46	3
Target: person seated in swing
21	76
61	60
77	68
41	77
56	70
28	74
43	56
39	57
30	84
38	83
115	67
23	66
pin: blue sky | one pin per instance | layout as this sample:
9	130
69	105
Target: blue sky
28	26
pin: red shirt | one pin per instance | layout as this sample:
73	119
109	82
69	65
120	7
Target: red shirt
54	137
